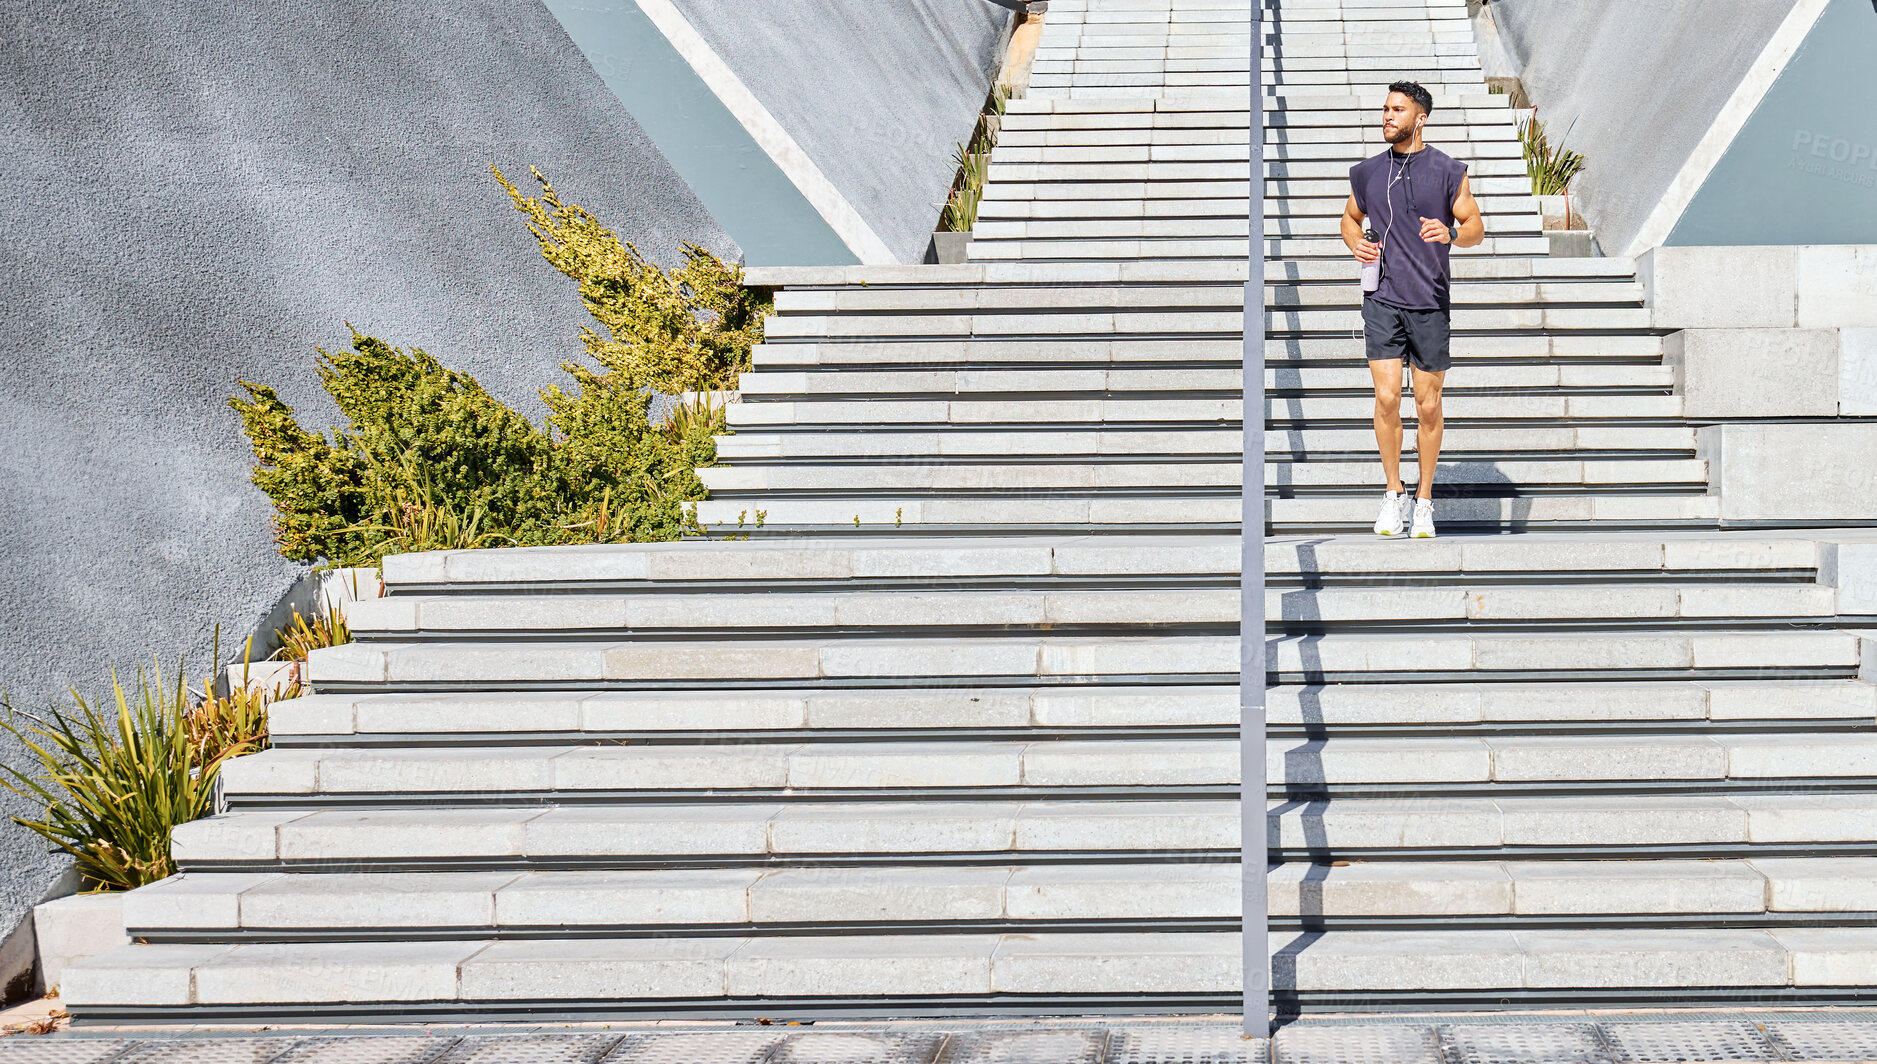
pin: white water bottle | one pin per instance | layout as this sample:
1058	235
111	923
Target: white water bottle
1371	271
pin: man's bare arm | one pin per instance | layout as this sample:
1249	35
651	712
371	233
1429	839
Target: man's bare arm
1466	216
1352	233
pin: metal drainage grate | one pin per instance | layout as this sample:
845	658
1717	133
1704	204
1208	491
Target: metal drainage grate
1549	1043
705	1047
837	1047
1026	1047
378	1049
1358	1045
538	1049
1673	1043
38	1049
207	1051
1171	1045
1821	1041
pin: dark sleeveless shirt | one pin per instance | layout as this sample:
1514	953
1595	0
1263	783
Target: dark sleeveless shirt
1415	274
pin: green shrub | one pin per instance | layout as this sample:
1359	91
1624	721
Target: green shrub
432	461
687	329
114	781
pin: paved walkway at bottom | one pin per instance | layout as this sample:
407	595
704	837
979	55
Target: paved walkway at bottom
1838	1036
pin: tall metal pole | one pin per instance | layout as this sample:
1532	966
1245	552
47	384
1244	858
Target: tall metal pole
1251	667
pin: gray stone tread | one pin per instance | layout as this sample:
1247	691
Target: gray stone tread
963	965
1434	706
884	766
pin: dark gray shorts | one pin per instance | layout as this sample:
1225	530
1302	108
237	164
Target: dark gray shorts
1420	336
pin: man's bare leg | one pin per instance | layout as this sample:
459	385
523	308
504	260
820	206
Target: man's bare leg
1430	421
1387	375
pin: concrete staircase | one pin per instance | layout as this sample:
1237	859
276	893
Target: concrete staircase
944	716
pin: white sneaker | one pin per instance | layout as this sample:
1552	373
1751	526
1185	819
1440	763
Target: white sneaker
1392	520
1423	519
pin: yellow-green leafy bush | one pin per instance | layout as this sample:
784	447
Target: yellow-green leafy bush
680	330
432	461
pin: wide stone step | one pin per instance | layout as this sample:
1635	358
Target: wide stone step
1174	381
472	718
1285	206
1217	248
1157	172
415	980
655	902
1003	479
1030	302
1501	227
1112	148
1026	658
1122	509
1603	827
650	902
776	611
889	769
504	717
693	835
1119	228
1322	179
1141	142
1025	120
1805	821
979	274
854	562
1294	445
419	978
1316	410
1444	85
1341	318
1548	349
1360	75
1358	84
1217	110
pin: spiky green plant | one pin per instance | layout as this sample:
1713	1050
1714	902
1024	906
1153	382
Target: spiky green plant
303	635
1551	168
113	781
417	517
973	159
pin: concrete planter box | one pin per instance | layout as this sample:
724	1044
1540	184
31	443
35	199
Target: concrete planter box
76	927
1560	213
947	248
1572	243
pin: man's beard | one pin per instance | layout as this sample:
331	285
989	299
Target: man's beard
1402	135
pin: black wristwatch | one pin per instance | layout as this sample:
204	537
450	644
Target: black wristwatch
1453	233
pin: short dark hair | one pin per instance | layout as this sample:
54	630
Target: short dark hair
1413	91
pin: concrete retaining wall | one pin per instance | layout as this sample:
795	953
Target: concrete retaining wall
192	192
1776	333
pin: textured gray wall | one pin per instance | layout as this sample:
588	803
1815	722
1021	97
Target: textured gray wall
878	94
1804	168
195	191
1636	84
